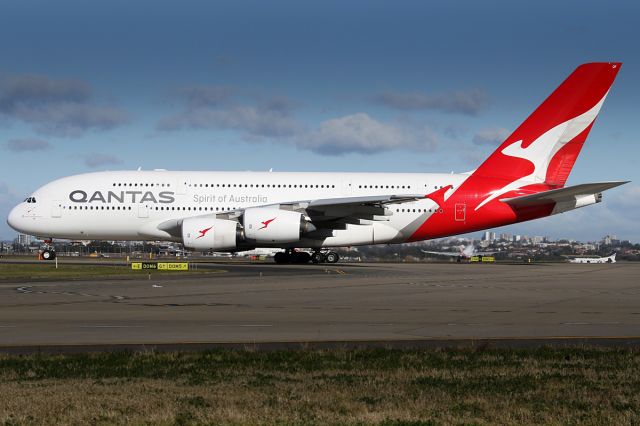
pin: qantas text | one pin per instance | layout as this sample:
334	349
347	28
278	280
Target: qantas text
164	197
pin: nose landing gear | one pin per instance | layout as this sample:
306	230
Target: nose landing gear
47	252
47	255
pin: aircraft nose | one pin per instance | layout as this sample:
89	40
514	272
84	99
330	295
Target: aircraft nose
15	218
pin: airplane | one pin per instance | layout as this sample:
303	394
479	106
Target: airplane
464	252
523	179
608	259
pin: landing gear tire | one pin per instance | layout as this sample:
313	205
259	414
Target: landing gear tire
300	257
332	257
282	257
318	257
48	255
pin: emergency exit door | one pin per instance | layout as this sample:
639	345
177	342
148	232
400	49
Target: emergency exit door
461	212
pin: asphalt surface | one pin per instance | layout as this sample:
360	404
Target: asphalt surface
328	305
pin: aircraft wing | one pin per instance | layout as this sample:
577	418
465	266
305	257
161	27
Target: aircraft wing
570	194
350	209
325	213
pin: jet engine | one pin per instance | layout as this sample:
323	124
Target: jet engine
271	225
200	233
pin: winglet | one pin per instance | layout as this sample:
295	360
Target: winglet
437	196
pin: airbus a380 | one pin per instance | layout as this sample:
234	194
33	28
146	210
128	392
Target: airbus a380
232	211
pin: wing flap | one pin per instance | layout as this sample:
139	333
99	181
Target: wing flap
352	209
374	200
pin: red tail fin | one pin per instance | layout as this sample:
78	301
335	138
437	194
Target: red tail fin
546	145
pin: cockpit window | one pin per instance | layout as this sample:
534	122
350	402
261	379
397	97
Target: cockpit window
30	200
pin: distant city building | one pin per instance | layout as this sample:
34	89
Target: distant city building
537	240
24	239
610	240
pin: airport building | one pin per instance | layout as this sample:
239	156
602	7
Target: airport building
24	239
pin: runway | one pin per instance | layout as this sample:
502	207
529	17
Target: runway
275	305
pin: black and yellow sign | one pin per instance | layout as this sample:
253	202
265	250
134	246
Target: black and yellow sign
487	259
162	266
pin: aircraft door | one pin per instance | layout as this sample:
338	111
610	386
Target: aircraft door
56	208
181	187
461	212
143	210
346	187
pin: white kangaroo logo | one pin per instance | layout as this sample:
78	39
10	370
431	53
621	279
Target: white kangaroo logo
542	150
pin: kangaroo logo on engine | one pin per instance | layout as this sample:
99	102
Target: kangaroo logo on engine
203	232
266	223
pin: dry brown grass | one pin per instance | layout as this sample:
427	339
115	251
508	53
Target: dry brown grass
545	386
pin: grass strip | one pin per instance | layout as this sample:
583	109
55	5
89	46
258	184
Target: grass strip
49	271
391	387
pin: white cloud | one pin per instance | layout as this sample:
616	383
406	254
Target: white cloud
470	102
247	119
362	134
95	160
271	119
55	107
24	145
492	136
212	107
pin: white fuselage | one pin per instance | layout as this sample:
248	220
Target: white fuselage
123	205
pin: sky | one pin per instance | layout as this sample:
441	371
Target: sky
392	86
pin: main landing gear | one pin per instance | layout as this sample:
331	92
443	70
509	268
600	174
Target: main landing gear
301	257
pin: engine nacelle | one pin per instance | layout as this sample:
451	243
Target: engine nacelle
210	234
272	225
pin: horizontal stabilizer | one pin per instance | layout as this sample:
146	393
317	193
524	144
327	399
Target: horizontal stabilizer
571	196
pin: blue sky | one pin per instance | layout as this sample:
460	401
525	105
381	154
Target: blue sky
396	86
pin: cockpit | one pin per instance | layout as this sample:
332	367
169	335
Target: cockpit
30	200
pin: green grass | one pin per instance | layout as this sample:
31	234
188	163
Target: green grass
47	270
389	387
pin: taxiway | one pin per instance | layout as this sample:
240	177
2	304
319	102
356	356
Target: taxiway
270	304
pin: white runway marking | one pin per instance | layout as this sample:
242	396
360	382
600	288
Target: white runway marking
241	325
110	326
469	323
